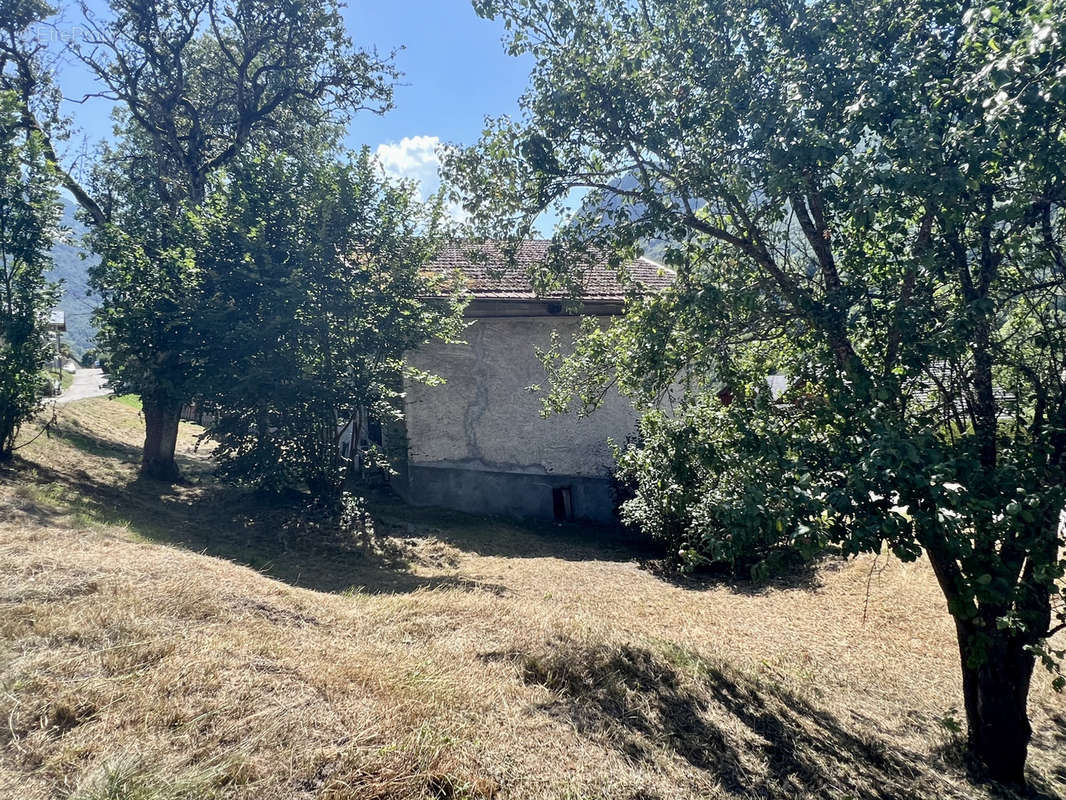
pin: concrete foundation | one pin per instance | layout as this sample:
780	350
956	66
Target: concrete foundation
511	494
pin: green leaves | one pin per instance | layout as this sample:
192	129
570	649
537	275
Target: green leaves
867	208
29	217
313	290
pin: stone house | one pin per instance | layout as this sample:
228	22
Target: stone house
478	442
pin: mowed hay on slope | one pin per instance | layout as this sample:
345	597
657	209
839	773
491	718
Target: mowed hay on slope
451	657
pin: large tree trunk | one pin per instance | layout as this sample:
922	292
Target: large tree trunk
995	694
996	673
7	438
160	438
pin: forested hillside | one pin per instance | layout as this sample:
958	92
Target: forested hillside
72	269
614	210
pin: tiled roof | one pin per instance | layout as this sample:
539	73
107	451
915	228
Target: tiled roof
489	274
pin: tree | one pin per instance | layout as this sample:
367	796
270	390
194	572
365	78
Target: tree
869	201
197	82
29	218
314	291
26	71
149	290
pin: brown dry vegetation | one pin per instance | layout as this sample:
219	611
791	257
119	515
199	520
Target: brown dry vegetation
448	657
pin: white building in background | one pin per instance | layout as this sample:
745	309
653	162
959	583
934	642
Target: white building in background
478	443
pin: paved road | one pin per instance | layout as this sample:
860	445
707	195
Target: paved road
87	383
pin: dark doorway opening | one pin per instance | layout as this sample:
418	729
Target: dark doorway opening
563	504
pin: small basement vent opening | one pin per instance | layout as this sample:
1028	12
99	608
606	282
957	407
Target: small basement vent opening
563	504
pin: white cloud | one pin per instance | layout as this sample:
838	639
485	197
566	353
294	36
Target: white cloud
415	158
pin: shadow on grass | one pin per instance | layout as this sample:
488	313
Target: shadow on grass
749	737
1058	736
277	536
496	536
802	574
94	445
499	536
480	535
274	535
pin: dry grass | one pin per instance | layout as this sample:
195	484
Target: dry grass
452	657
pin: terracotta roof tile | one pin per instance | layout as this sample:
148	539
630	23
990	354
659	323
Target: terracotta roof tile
489	274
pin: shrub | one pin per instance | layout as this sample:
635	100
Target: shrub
686	481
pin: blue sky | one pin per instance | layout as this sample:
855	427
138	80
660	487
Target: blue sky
455	73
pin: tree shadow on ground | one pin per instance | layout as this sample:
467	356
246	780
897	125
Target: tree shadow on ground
95	445
1056	742
510	538
475	534
274	535
576	541
92	443
800	574
746	736
279	537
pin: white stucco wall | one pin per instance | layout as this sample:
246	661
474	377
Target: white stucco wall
485	418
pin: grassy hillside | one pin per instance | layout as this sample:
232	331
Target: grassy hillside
160	643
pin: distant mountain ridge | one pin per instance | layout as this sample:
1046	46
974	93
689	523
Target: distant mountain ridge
654	249
71	265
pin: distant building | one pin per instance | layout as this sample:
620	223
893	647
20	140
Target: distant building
478	443
57	326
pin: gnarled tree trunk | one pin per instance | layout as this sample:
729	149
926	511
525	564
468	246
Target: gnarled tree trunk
995	695
161	418
997	662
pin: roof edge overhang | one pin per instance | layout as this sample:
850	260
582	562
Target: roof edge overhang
480	307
